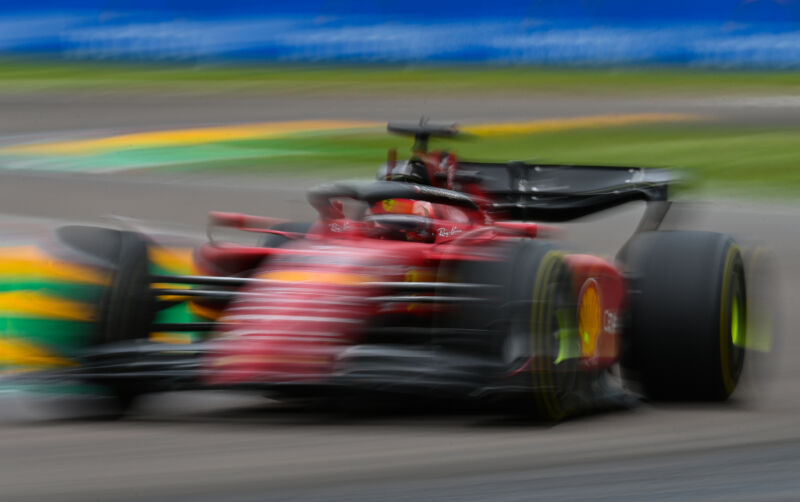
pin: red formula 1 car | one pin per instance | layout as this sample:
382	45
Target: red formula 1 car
442	278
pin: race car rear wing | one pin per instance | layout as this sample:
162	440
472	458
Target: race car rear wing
557	193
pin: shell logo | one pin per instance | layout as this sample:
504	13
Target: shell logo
590	317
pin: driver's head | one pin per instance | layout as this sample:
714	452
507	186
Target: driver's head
410	171
403	206
402	219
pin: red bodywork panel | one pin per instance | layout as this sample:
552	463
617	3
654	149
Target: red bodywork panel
589	269
295	332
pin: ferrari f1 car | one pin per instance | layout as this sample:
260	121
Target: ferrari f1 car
440	278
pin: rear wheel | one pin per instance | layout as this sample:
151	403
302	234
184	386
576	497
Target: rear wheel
688	316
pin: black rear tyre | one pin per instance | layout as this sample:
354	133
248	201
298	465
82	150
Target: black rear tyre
688	315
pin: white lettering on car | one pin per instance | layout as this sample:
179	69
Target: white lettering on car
443	232
610	322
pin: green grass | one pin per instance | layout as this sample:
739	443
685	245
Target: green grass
723	157
16	75
715	156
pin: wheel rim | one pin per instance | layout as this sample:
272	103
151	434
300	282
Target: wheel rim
733	328
554	339
737	329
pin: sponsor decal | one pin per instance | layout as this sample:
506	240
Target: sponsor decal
339	228
610	322
445	233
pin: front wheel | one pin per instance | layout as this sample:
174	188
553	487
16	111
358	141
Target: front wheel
126	307
533	324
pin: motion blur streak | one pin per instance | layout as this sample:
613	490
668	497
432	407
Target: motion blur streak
186	137
339	344
566	124
715	32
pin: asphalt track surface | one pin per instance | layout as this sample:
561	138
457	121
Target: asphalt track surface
56	112
217	447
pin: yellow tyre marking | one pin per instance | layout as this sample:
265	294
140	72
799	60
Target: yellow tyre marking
542	373
725	322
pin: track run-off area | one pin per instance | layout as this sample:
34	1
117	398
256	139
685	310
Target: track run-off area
103	153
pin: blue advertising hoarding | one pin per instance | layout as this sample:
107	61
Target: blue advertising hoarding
713	32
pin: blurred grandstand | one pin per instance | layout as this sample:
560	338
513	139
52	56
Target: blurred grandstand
717	33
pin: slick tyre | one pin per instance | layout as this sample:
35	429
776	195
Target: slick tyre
128	308
688	315
534	323
548	319
124	308
126	311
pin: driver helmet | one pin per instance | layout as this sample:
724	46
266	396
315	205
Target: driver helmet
415	228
